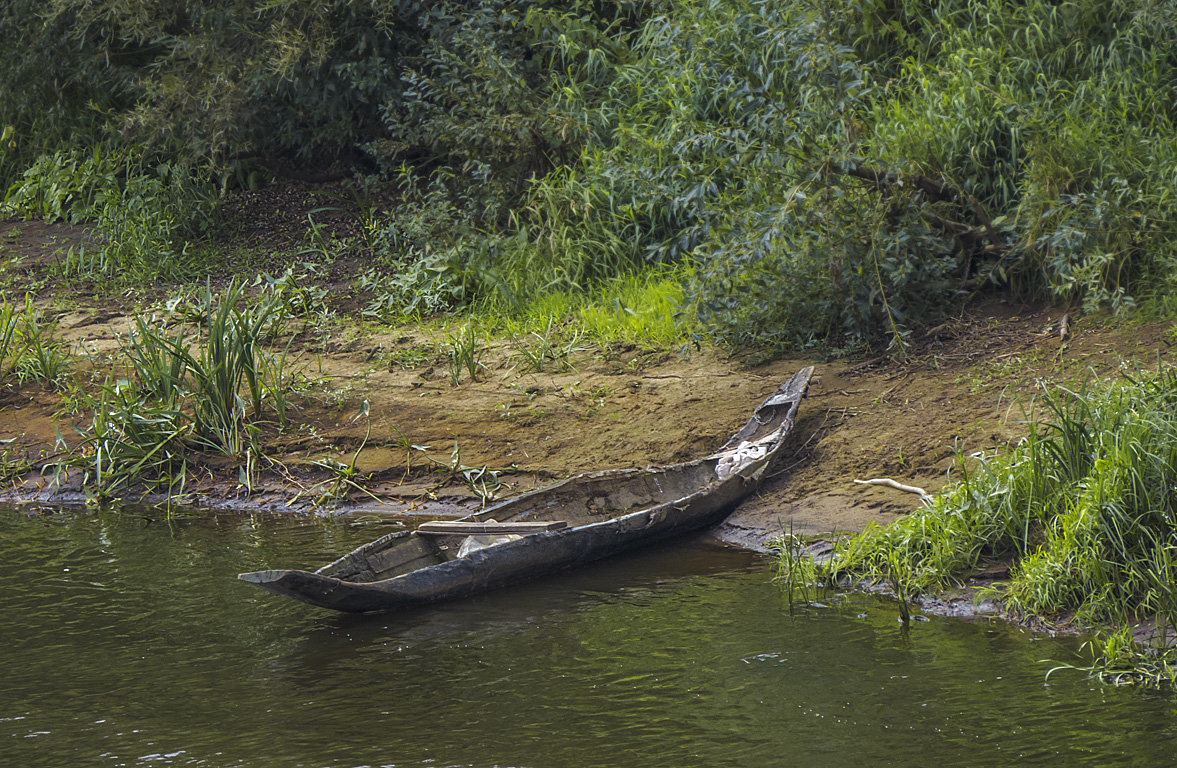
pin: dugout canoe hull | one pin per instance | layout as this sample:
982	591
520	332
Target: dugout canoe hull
607	513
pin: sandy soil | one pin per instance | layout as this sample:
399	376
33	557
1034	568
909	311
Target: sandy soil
963	389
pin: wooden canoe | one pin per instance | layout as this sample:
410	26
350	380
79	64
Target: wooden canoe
560	526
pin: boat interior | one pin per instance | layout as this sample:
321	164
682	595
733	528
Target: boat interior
578	501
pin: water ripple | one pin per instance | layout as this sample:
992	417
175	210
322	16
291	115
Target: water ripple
128	643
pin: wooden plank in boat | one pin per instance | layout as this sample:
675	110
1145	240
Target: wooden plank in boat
441	527
406	552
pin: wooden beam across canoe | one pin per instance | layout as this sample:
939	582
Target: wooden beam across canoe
444	527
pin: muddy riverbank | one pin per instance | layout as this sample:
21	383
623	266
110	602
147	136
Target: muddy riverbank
379	402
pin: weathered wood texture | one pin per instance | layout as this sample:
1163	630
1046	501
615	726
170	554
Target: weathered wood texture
443	527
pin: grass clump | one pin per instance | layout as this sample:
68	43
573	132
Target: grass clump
29	348
211	395
641	308
463	351
1084	509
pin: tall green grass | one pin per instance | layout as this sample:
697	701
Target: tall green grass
144	215
213	393
1084	508
638	308
29	347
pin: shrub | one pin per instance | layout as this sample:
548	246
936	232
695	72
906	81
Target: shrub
143	218
836	173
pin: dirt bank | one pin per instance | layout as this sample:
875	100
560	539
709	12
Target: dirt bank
962	388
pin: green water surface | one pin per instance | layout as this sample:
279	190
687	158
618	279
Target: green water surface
127	641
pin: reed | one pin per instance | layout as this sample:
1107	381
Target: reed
224	381
463	350
798	575
9	340
161	363
214	393
133	441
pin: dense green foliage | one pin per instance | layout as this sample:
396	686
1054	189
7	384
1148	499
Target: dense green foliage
235	84
829	173
837	169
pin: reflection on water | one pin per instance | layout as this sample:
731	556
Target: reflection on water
128	641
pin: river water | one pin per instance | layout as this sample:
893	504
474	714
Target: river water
127	641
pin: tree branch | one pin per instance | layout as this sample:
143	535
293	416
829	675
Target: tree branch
885	181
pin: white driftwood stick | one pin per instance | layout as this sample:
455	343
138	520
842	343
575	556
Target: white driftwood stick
897	486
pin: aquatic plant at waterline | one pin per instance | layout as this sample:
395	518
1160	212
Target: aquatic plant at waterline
343	477
1083	507
800	576
213	394
1117	658
133	441
482	481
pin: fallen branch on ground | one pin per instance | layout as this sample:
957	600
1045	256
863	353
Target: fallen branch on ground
897	486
